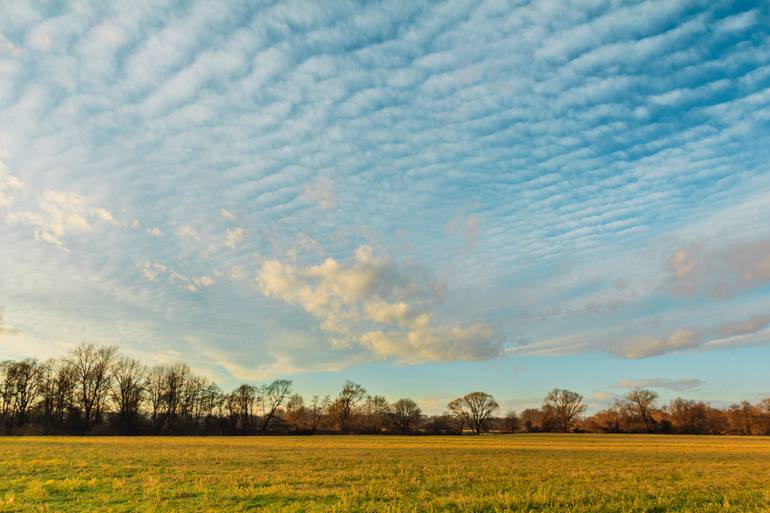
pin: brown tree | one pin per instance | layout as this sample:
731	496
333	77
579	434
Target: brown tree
567	407
510	422
473	409
296	412
317	409
638	405
405	414
348	398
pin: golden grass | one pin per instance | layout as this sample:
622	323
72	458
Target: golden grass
544	473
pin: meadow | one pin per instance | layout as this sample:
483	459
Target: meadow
544	473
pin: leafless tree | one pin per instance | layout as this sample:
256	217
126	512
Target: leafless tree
350	395
511	422
740	417
242	405
638	405
317	409
405	414
296	412
473	409
91	366
155	385
19	385
128	389
174	380
375	411
272	396
567	407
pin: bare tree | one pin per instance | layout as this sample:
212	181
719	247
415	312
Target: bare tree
473	409
18	391
350	395
317	409
375	411
740	417
638	404
511	422
296	412
272	396
128	388
174	380
567	406
242	406
91	366
155	385
405	414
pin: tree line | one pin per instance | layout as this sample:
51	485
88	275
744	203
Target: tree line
96	390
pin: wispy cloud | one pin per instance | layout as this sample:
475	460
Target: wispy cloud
677	385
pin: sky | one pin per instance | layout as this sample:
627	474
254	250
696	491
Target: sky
426	198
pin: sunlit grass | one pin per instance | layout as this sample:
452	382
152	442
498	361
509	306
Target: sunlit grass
578	473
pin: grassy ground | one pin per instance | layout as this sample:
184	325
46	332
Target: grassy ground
575	473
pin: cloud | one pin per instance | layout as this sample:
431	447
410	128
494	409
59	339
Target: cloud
322	193
238	274
8	183
233	237
371	290
187	232
59	214
720	272
645	347
677	385
190	283
434	344
578	146
104	215
745	327
467	228
153	270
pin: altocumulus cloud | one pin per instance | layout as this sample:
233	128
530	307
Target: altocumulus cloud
603	169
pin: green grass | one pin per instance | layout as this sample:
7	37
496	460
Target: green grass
543	473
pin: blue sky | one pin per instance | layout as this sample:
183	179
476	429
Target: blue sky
428	198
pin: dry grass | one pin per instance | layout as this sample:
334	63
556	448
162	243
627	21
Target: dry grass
577	473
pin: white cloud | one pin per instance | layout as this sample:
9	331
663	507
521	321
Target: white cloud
190	283
59	214
233	237
8	182
434	344
322	192
350	299
151	270
104	215
155	232
226	214
187	232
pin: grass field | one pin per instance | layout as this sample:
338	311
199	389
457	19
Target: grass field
488	473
